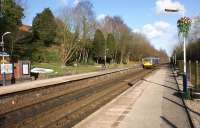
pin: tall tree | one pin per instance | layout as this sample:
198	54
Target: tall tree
11	14
193	48
195	30
67	40
125	40
83	11
44	26
98	45
68	36
84	18
111	46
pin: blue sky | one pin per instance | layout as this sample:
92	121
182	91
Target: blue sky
145	16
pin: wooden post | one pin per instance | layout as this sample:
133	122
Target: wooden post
196	75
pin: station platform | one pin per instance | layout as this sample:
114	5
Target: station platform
154	102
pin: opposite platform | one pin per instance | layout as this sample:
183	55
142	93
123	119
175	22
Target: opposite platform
57	80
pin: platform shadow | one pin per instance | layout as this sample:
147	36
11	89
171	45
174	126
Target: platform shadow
168	122
160	84
170	82
195	112
173	102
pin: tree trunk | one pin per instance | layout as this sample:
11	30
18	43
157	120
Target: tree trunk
86	56
121	58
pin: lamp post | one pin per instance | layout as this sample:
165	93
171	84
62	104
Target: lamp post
2	44
183	25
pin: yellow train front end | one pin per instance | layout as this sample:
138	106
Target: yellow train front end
147	64
150	62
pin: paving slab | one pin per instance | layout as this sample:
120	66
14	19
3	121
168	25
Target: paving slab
153	103
173	110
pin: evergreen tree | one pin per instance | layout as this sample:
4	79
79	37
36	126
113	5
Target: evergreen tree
10	16
98	45
44	26
111	46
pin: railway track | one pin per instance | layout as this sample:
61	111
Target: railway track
63	105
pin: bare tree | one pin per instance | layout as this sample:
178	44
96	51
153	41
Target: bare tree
195	30
85	19
67	35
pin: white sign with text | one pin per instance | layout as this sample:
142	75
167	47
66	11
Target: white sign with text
7	68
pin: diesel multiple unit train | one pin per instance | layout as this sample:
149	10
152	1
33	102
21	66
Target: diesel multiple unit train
150	62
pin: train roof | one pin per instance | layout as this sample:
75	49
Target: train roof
151	58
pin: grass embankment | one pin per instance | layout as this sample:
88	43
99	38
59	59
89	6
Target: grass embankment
69	70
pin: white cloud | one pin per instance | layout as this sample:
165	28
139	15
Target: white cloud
156	30
162	25
68	2
100	17
161	34
136	30
63	2
161	5
76	2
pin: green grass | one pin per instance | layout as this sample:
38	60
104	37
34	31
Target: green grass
61	70
67	70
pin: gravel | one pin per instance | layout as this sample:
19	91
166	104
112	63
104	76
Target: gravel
194	110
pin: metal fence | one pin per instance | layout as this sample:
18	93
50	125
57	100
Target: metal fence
193	73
